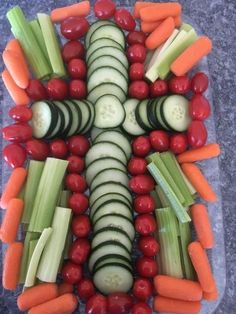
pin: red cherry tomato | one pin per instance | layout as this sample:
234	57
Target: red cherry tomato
199	83
58	148
141	146
73	49
77	69
125	20
20	113
78	202
199	107
141	308
139	90
57	89
136	53
159	140
76	164
142	289
78	145
14	155
144	204
197	134
97	304
79	251
37	149
136	37
137	166
146	267
148	246
36	90
178	143
145	224
71	273
119	303
136	71
180	84
104	9
75	182
78	89
85	289
17	133
158	88
142	184
81	226
74	27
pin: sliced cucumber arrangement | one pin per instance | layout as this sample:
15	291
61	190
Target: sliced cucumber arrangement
130	124
104	89
112	258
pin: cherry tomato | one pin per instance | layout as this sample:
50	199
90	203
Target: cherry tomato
77	69
17	133
199	83
141	308
136	37
136	71
71	273
119	303
75	182
197	134
158	88
141	146
36	90
148	246
145	224
78	202
78	145
142	184
76	164
144	204
73	49
178	143
125	20
142	289
199	107
74	27
78	89
146	267
137	166
37	149
81	226
136	53
14	155
139	90
159	140
20	113
79	251
85	289
180	84
57	89
104	9
97	304
58	148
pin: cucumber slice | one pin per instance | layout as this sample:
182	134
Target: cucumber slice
158	114
104	42
91	118
93	28
106	88
109	31
109	51
86	114
67	113
141	115
94	132
59	124
76	117
152	116
109	175
130	124
112	258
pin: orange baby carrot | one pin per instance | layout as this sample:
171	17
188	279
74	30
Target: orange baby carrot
14	45
202	225
180	289
162	304
140	5
64	288
160	34
13	186
191	56
151	26
66	303
178	21
160	11
37	295
202	266
199	182
11	220
18	94
206	152
11	266
211	296
77	9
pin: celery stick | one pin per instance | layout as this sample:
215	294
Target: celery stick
22	193
69	239
52	44
32	246
164	201
64	197
186	27
34	174
39	37
34	261
156	199
50	261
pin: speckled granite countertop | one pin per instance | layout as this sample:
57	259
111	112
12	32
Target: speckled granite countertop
218	20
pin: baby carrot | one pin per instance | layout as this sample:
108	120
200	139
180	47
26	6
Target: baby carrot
148	27
167	305
178	21
202	266
13	186
37	295
202	225
140	5
66	303
206	152
64	288
11	220
160	11
180	289
191	56
211	296
11	266
18	94
160	34
199	182
77	9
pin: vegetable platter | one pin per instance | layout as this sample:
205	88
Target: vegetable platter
99	176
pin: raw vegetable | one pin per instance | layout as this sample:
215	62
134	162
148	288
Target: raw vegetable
145	224
17	132
160	11
14	154
77	89
72	49
136	71
74	27
136	53
36	90
158	88
97	303
199	108
139	90
141	307
167	305
178	143
58	149
140	5
78	9
77	69
142	289
148	27
104	9
137	166
144	204
180	84
206	152
20	113
146	267
211	296
199	83
136	37
141	146
197	134
125	20
37	149
119	302
36	29
85	289
71	273
148	246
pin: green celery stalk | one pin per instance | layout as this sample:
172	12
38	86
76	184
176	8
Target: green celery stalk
69	239
186	27
32	246
35	27
22	193
50	261
156	199
64	197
